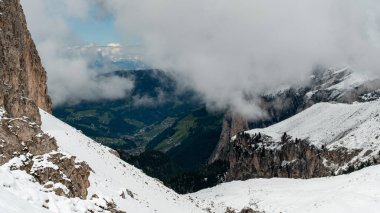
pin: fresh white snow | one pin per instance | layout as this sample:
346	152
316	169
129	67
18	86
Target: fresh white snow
13	203
352	80
20	193
356	192
352	126
323	123
111	176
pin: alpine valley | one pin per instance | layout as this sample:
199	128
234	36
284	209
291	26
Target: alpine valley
160	149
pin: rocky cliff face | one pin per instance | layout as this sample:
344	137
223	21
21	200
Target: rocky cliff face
259	156
23	91
23	87
232	124
23	78
253	157
324	86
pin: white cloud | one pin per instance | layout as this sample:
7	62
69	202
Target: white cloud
228	49
70	80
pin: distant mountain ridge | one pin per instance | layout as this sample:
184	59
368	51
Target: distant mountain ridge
341	85
109	57
258	153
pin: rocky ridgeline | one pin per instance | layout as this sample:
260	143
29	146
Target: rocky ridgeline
259	156
326	85
282	104
253	157
23	90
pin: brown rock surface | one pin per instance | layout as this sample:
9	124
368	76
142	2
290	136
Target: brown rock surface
20	136
23	90
232	124
259	157
73	175
23	79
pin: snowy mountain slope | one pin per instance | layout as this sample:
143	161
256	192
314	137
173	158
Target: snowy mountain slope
342	79
340	85
350	80
19	191
19	205
334	84
12	203
355	192
352	126
113	183
111	176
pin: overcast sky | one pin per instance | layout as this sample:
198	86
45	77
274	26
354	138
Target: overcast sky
226	50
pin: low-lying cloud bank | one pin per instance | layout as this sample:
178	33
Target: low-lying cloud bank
231	51
70	78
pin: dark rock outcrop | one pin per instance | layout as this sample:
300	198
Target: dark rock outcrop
73	175
244	210
21	136
108	205
232	124
261	157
